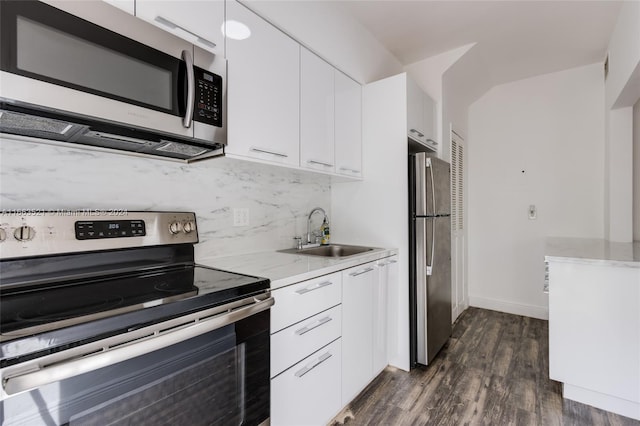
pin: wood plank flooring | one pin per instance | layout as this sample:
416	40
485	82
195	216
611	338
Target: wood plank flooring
493	371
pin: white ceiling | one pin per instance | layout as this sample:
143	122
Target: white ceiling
517	39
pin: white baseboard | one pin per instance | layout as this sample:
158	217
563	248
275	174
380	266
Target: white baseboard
540	312
605	402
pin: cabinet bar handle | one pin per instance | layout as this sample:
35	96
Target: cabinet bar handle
316	363
315	324
364	271
432	142
320	163
415	131
173	26
314	287
264	151
347	169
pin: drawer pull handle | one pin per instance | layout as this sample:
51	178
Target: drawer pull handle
321	163
264	151
315	324
415	131
347	169
314	287
315	363
364	271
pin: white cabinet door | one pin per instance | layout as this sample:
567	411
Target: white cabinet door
415	112
309	392
126	5
387	272
317	102
348	126
263	91
198	22
429	117
357	329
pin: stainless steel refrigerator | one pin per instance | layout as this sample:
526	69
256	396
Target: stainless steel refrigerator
430	257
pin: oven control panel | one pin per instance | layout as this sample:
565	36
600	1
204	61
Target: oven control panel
95	229
35	232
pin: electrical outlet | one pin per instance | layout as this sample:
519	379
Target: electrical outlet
241	216
533	213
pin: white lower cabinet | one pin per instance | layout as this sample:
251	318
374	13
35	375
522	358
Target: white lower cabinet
328	341
309	392
387	273
357	329
290	345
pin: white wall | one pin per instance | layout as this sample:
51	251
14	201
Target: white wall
622	91
428	74
462	84
624	56
636	171
38	176
334	36
535	141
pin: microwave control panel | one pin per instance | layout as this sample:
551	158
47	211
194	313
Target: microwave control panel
208	102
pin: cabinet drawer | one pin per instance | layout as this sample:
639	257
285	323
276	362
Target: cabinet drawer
292	344
303	300
309	392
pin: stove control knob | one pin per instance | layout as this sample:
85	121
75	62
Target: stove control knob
3	235
24	233
189	227
175	227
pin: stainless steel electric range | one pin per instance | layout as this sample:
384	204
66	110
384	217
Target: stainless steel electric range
106	319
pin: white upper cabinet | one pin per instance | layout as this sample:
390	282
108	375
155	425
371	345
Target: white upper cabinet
126	5
263	91
421	112
429	114
348	126
415	117
198	22
317	109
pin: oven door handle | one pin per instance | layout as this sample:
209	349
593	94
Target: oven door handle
40	372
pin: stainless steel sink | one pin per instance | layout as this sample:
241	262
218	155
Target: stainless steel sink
331	250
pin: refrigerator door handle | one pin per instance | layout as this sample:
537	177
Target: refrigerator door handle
433	222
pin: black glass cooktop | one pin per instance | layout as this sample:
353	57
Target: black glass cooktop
61	312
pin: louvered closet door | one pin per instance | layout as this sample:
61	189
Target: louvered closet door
458	240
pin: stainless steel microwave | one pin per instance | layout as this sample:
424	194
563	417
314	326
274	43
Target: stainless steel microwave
89	74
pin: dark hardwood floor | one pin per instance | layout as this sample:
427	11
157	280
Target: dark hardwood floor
493	371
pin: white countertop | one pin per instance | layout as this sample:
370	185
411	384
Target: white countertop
591	250
285	269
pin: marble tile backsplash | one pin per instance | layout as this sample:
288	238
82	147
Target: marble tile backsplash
41	176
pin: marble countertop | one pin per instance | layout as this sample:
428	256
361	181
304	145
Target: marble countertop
591	250
284	269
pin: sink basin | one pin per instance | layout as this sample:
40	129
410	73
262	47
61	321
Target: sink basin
331	250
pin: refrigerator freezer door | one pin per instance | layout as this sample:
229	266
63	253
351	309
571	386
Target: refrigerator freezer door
420	173
441	176
432	186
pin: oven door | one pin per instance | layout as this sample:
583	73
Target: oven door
210	367
58	62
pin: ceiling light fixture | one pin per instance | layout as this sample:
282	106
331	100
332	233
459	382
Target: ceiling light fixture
235	30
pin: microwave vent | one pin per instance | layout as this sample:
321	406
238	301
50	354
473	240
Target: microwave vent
31	125
179	148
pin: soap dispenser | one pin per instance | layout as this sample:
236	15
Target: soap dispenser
325	233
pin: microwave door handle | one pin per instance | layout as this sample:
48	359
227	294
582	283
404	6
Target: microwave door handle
191	89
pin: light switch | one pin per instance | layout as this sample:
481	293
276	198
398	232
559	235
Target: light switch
533	214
